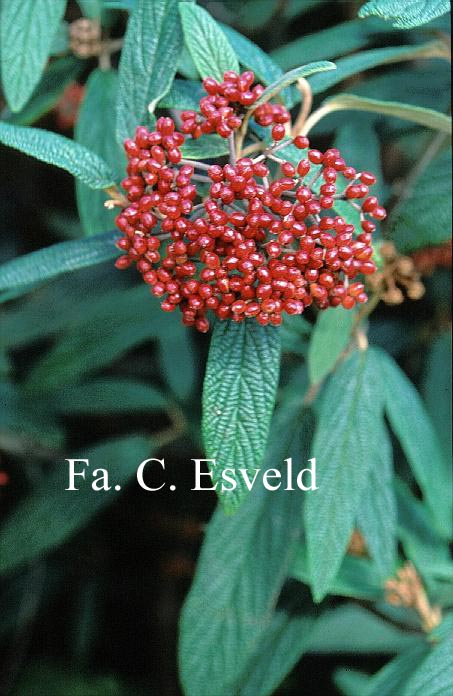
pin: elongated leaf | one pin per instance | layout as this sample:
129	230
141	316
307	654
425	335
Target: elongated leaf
252	57
283	644
414	226
242	567
110	396
291	77
49	515
357	577
148	62
420	541
437	388
183	94
406	13
351	628
350	682
393	677
377	513
434	677
210	49
351	65
347	432
27	31
57	77
95	129
359	138
411	423
207	147
329	339
416	114
238	399
329	43
56	259
60	151
106	332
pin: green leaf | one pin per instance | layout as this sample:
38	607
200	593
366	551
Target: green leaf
243	564
434	677
56	259
285	640
377	513
437	388
413	225
109	396
238	399
183	94
148	62
207	147
59	151
49	514
210	49
392	678
96	339
91	8
330	337
291	77
347	432
410	422
95	129
359	139
332	42
357	63
57	77
178	342
27	426
420	541
356	577
416	114
350	682
27	31
252	57
406	14
351	628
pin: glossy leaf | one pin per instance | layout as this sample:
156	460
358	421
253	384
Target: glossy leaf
148	62
238	400
347	433
56	259
27	31
330	337
437	388
95	129
406	14
59	151
49	514
210	49
412	225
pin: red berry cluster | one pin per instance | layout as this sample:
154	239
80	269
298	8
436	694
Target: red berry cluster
253	247
222	110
